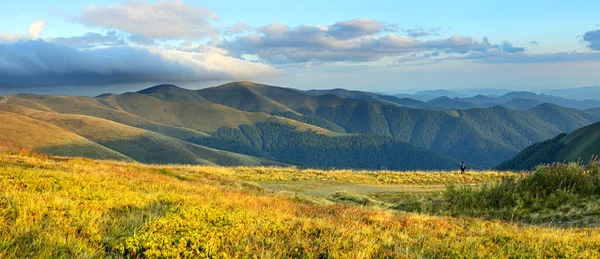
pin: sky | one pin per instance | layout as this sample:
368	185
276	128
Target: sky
93	47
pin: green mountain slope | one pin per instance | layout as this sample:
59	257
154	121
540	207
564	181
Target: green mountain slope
595	111
18	131
484	137
172	93
106	107
138	144
581	144
309	149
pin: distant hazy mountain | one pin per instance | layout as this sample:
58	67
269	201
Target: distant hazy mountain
476	98
388	99
581	145
569	103
423	98
522	104
455	103
581	93
440	93
513	100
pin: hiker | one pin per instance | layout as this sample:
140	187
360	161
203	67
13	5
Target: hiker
463	167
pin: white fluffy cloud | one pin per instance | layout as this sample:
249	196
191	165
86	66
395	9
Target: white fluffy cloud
356	40
162	20
34	31
36	28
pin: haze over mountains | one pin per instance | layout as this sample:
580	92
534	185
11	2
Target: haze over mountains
245	123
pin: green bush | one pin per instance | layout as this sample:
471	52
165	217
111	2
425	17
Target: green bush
548	189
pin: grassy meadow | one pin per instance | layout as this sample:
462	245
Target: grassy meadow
52	207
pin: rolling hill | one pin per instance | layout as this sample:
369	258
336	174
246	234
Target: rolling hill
484	137
137	144
309	149
152	147
581	144
18	131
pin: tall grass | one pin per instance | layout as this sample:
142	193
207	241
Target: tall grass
72	207
550	192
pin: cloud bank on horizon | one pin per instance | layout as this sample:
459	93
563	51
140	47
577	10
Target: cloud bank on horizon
172	41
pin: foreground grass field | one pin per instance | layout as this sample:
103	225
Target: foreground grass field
60	207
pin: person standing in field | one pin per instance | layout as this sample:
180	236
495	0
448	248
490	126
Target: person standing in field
463	167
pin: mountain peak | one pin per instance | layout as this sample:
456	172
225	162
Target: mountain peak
247	84
159	88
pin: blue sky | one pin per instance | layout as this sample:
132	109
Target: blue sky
389	46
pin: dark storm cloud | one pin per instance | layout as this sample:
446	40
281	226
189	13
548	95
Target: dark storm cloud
40	63
592	38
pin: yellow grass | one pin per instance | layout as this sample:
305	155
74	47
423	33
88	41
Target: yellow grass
278	175
53	207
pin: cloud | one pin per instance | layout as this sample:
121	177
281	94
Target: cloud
421	32
592	38
36	28
534	43
91	40
34	32
162	20
40	63
356	28
354	41
239	27
136	38
509	48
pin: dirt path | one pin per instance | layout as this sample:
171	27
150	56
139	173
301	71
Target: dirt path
323	190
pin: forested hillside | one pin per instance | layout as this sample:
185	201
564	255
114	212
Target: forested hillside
580	145
310	149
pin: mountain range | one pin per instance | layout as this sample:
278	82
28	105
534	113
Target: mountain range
245	123
444	100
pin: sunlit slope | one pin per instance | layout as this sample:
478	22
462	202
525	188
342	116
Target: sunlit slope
200	116
141	145
580	145
76	208
17	131
172	93
102	107
232	95
181	120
